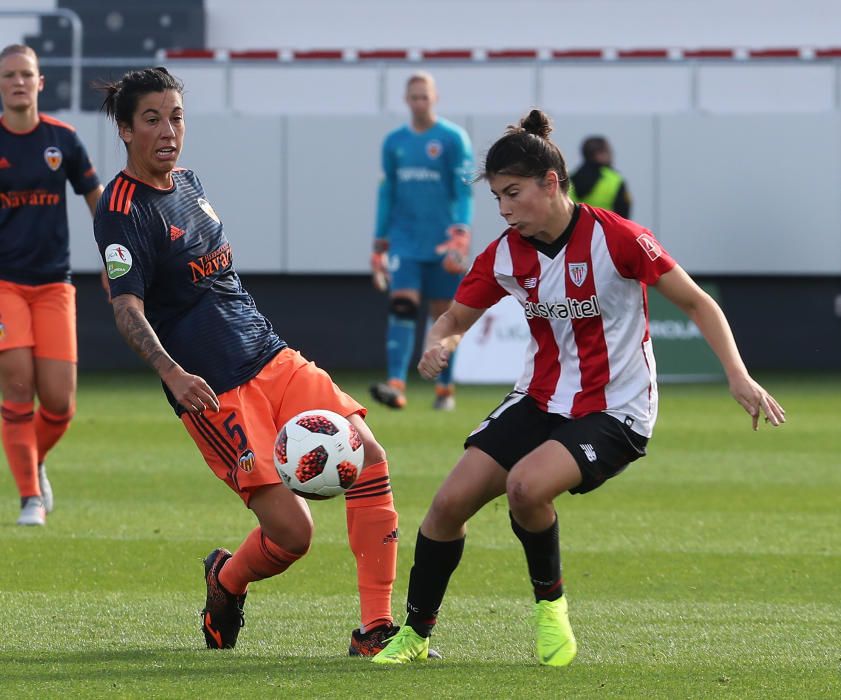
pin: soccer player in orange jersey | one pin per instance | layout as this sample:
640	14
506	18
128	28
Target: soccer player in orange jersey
233	382
38	156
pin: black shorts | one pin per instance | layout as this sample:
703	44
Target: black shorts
601	445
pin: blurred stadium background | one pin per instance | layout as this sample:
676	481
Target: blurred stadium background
724	117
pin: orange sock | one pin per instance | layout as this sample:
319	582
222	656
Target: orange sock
372	533
19	444
257	558
49	427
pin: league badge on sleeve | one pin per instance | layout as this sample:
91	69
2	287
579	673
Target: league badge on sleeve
117	260
649	245
53	156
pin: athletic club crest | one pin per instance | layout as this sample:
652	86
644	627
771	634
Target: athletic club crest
578	273
433	149
207	209
53	157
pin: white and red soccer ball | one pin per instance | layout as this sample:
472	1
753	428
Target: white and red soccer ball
318	454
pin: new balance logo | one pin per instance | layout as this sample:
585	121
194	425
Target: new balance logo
530	283
175	233
4	163
589	452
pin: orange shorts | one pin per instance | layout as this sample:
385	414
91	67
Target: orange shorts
41	317
238	442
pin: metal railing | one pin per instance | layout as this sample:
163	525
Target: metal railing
76	29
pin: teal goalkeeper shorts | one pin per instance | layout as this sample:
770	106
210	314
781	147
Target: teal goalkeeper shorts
428	278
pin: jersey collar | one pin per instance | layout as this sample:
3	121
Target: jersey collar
550	250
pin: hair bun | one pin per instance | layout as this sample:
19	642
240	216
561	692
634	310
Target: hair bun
537	122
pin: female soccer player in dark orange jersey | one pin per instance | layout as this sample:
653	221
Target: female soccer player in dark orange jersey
38	155
181	306
586	402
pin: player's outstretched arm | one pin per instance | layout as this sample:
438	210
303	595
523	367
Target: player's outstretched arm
444	337
679	288
190	390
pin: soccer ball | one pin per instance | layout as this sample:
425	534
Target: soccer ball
318	454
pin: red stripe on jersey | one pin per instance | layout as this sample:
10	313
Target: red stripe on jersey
547	363
480	288
127	205
121	195
118	184
589	332
56	122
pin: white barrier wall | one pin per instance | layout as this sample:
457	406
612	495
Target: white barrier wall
254	24
475	87
726	194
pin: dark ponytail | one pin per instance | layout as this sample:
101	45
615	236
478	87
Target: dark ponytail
122	96
537	123
527	151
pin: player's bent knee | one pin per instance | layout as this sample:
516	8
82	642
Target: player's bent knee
17	386
62	408
294	539
374	452
522	495
284	518
404	308
446	513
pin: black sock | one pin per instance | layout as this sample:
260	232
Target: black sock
434	564
543	556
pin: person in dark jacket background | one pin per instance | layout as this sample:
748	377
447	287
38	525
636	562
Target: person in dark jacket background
596	182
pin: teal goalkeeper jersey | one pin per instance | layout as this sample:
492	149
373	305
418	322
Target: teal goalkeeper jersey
425	188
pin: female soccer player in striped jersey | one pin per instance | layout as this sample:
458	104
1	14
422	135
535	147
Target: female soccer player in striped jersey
233	382
585	405
38	156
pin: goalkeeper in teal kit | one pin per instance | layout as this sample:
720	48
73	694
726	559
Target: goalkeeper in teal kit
422	240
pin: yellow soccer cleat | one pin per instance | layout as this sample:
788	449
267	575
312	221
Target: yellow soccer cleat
404	647
556	645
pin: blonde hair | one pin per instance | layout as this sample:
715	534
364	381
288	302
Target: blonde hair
13	49
420	76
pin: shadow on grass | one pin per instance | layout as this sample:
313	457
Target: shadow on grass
127	665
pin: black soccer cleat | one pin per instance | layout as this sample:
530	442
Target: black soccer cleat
390	393
222	616
375	640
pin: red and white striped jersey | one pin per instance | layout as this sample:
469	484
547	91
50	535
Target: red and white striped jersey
585	301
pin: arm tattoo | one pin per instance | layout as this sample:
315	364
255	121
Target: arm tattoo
141	338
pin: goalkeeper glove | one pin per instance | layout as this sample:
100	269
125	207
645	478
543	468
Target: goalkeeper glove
379	264
455	249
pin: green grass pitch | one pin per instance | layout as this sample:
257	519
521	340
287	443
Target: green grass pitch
712	568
